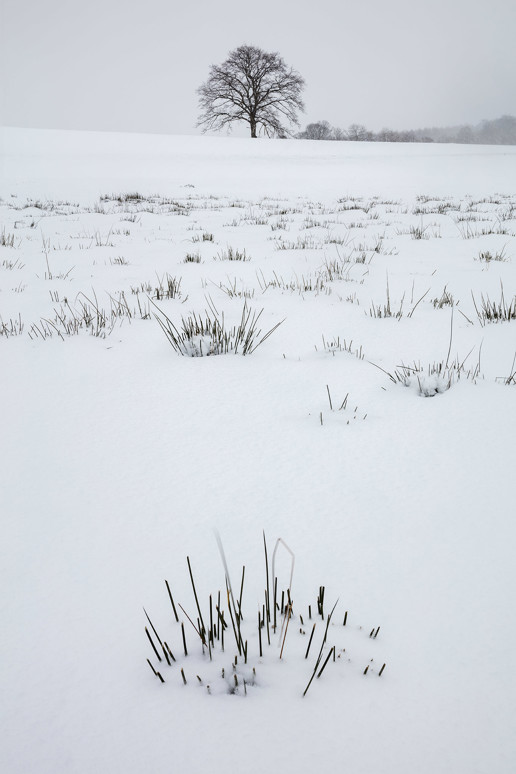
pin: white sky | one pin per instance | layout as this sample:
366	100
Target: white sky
134	66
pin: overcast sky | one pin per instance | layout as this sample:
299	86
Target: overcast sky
134	66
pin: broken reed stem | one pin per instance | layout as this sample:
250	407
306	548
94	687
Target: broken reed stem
184	638
194	626
310	641
158	674
241	592
166	655
172	601
153	629
169	651
320	602
153	646
286	629
183	676
221	617
237	636
196	600
381	670
321	650
275	599
326	661
345	618
267	595
260	634
266	617
329	398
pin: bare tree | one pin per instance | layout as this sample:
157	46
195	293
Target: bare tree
358	132
251	86
320	130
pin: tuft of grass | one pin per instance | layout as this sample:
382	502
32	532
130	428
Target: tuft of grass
223	643
11	265
419	232
168	287
206	236
11	328
232	254
6	239
511	378
436	378
232	291
495	311
207	334
446	299
385	310
301	243
192	258
487	256
86	314
336	345
101	241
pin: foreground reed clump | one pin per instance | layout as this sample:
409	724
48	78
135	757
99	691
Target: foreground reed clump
214	646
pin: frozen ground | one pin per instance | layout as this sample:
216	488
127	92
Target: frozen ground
119	457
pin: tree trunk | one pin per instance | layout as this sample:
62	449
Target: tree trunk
252	122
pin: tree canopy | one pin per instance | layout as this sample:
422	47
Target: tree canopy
255	87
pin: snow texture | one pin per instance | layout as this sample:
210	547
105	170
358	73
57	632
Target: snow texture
120	457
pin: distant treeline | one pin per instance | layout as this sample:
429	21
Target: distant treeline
500	131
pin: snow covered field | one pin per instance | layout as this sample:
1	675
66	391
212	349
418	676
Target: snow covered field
120	457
